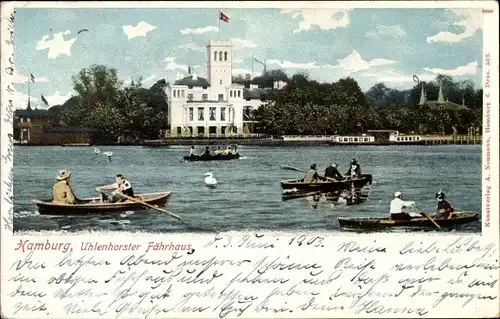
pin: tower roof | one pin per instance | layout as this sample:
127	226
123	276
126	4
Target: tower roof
440	97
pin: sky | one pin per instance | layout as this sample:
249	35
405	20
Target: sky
369	45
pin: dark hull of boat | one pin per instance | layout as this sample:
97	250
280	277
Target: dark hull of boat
296	186
336	198
197	158
99	208
377	223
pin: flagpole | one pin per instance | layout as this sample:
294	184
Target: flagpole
29	90
218	34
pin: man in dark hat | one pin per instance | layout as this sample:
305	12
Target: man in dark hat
62	192
333	172
311	175
444	208
354	169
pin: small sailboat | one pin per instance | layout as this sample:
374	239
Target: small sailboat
96	150
210	180
108	154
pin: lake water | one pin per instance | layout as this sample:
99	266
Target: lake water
248	196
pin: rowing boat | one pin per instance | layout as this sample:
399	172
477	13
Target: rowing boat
298	185
95	205
457	218
218	157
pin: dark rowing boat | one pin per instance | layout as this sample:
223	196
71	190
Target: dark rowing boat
218	157
324	187
95	206
457	218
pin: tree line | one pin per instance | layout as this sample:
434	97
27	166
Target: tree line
132	112
121	113
306	107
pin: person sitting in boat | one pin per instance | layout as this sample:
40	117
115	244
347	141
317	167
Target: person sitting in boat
354	169
192	151
396	208
61	191
333	172
235	150
218	151
312	175
444	208
122	186
206	152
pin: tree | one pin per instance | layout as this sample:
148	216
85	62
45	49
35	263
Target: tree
98	83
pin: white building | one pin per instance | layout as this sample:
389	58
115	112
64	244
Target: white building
199	106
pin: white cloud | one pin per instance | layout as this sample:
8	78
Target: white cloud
57	45
325	19
240	44
238	60
18	78
57	98
470	19
140	30
20	100
468	69
192	47
292	65
393	31
172	65
149	79
400	78
206	29
354	63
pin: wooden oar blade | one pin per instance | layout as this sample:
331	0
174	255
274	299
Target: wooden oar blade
291	168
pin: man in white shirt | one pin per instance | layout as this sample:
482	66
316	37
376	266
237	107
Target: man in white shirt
122	186
396	208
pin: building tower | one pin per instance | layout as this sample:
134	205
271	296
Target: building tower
219	66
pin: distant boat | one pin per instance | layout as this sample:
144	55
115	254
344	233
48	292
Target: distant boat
393	138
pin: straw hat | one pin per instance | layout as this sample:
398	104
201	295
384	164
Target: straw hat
63	174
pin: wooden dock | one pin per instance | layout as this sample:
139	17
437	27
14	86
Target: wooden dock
452	139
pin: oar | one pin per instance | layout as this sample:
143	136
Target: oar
151	206
430	218
291	168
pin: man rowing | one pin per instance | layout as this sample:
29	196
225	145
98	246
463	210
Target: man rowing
312	175
333	172
396	208
122	186
192	151
61	191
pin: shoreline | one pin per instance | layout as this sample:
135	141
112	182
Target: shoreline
260	142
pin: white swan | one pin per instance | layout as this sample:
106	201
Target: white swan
210	180
96	150
108	154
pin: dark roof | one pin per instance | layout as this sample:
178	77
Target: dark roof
57	129
446	106
28	112
255	94
199	81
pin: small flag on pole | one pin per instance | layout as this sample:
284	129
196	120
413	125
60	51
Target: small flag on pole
32	77
223	17
45	101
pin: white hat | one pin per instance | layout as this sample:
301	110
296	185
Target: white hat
397	194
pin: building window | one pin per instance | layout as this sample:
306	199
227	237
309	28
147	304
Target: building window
190	97
212	113
28	120
215	56
223	114
191	113
179	130
182	93
220	81
221	97
230	93
225	56
22	119
175	93
201	116
204	97
220	56
239	93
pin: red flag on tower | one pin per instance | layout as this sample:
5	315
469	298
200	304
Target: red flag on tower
223	17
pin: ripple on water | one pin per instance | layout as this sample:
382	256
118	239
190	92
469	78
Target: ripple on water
248	196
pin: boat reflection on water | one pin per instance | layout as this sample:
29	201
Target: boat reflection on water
336	199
